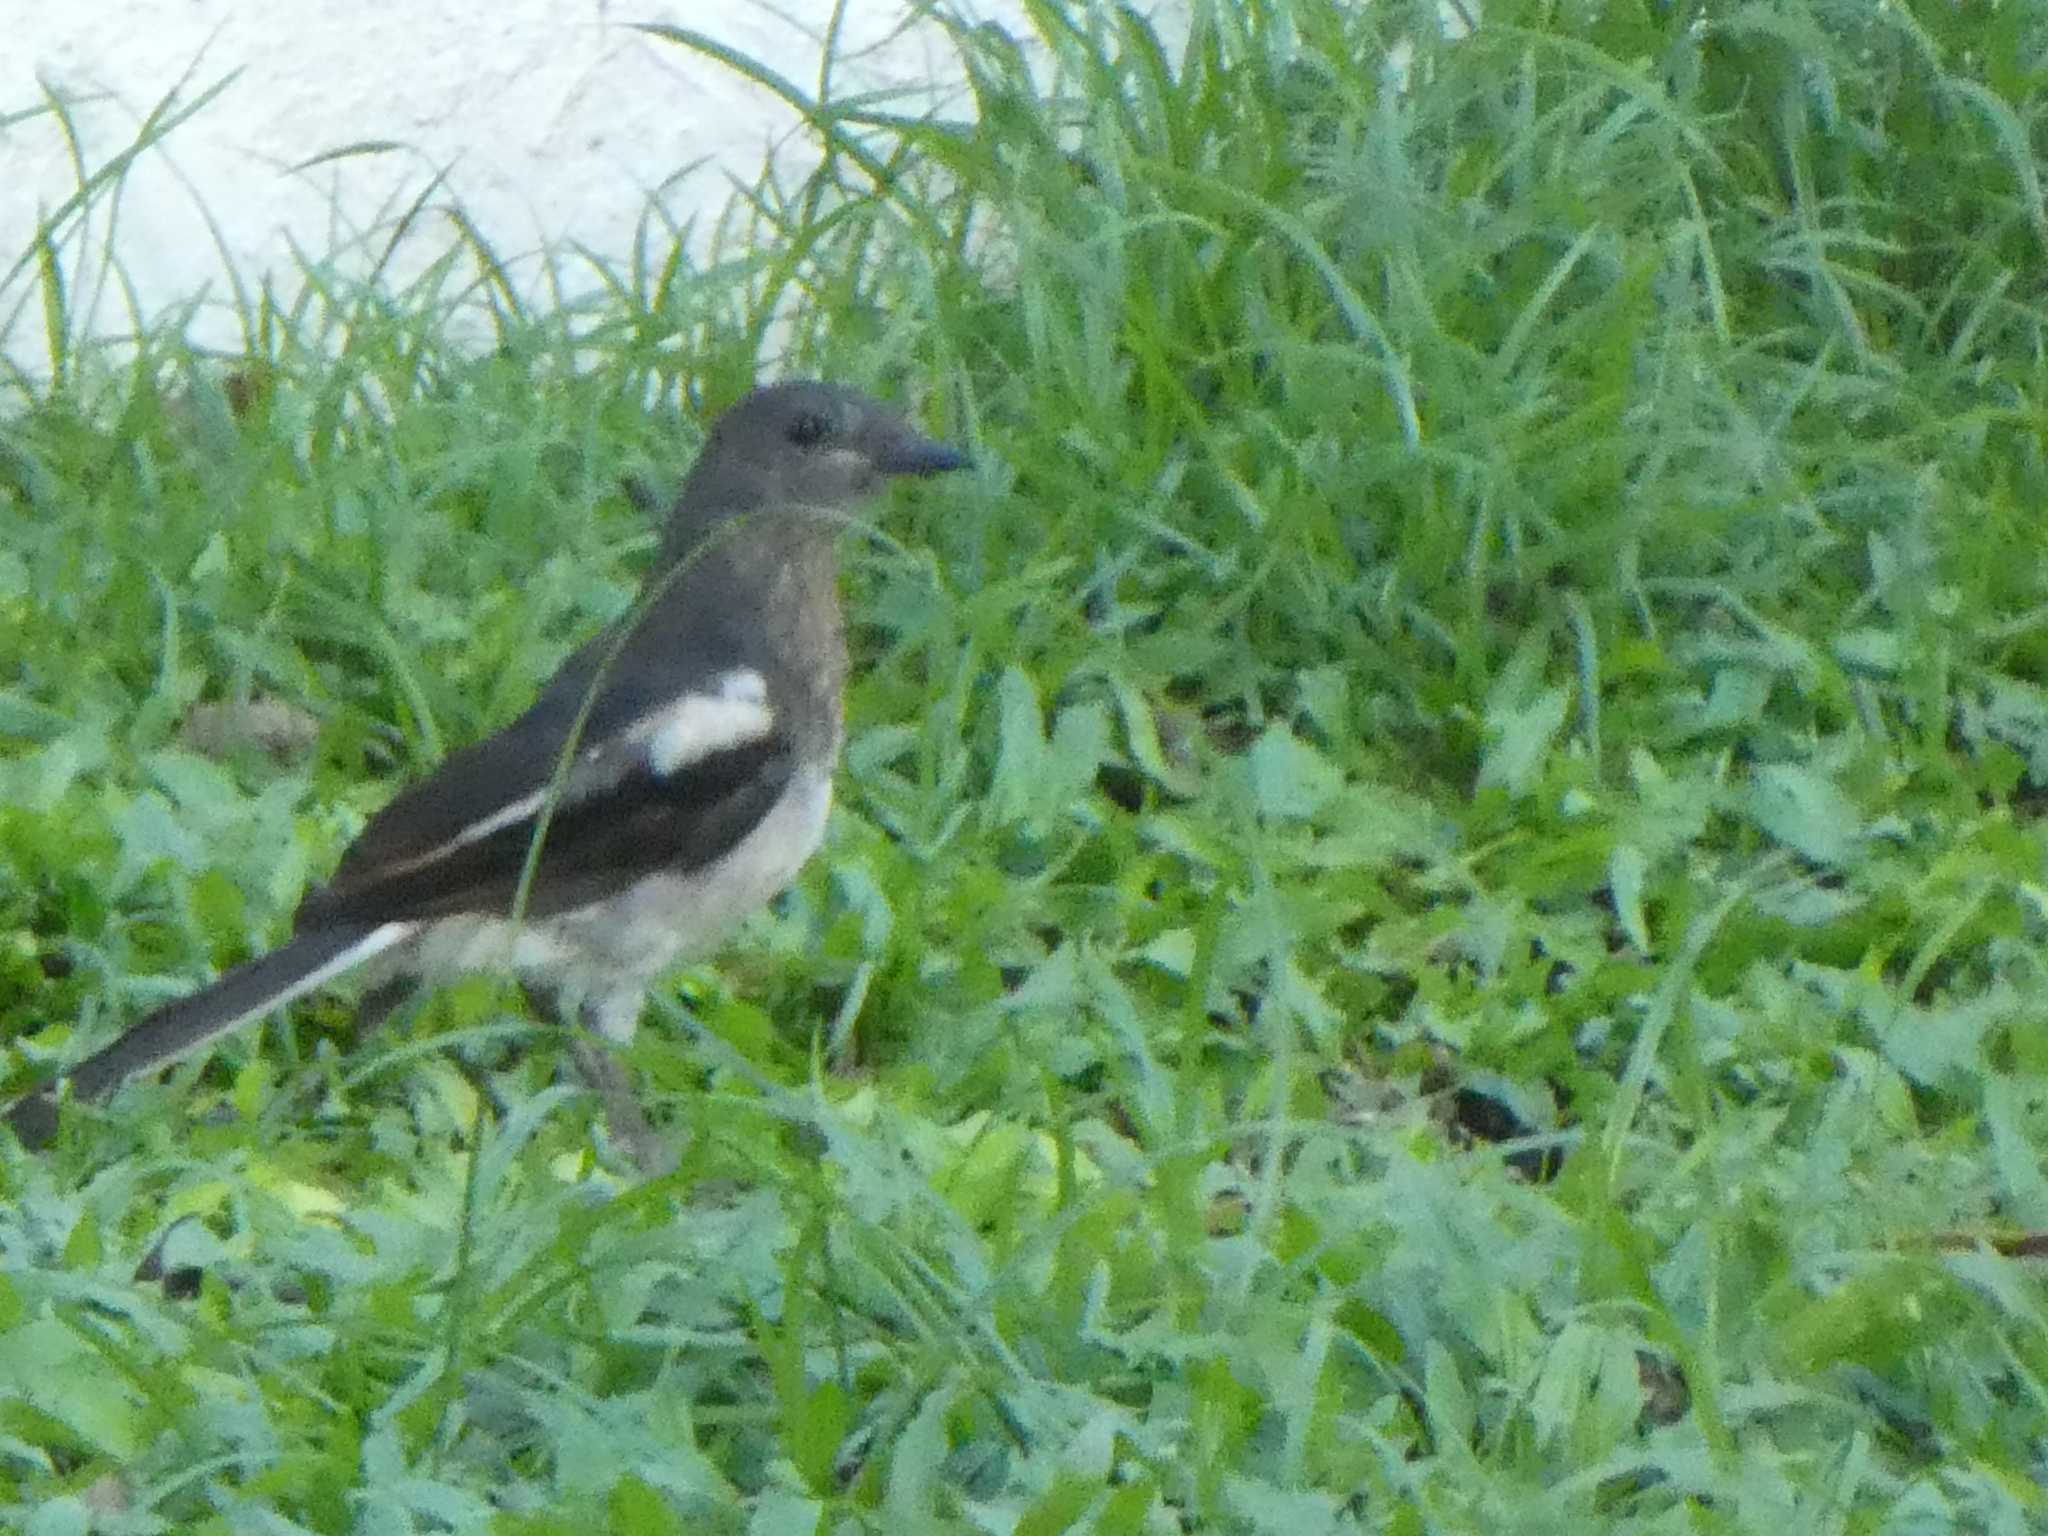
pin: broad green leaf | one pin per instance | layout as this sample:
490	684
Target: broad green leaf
779	1513
1877	651
1519	740
1804	811
48	1368
1290	780
1020	748
1276	1511
1626	868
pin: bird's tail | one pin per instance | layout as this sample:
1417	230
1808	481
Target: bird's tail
245	993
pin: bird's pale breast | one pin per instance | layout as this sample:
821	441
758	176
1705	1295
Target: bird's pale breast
602	958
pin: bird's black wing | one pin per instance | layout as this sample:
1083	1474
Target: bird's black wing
671	770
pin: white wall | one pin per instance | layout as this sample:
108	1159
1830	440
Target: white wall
554	119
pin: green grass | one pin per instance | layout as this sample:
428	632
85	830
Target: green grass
1438	921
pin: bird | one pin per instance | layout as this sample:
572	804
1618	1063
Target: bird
674	775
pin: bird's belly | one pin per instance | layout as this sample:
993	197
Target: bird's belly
602	958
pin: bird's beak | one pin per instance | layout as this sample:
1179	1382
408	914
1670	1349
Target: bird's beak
907	452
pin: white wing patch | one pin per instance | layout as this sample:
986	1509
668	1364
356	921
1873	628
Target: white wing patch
700	725
689	730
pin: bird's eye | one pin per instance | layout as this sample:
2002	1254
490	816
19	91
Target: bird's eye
809	429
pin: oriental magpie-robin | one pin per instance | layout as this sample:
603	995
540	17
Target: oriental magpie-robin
672	777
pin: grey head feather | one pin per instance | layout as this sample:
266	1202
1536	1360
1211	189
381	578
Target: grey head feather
801	443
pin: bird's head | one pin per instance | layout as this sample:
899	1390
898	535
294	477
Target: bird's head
808	443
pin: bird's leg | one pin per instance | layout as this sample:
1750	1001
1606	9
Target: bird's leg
375	1007
625	1122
